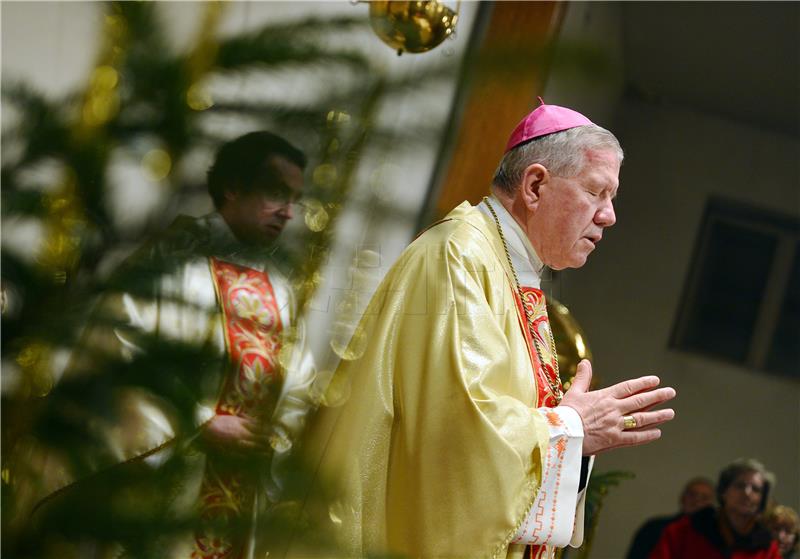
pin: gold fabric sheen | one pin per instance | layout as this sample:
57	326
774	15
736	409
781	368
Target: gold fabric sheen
438	450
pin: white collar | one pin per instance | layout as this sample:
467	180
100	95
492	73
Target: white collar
221	236
527	264
218	229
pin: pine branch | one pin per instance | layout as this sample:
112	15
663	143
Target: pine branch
293	43
43	126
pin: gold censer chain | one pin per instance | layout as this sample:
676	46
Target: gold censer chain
555	387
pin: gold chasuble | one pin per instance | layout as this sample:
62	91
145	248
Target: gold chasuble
438	450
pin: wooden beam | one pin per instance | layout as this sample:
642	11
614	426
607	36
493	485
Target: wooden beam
510	71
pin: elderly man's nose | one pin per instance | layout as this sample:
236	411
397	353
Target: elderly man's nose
606	216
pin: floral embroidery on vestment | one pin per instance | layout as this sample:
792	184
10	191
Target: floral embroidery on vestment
252	326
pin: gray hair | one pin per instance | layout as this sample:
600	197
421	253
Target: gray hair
562	153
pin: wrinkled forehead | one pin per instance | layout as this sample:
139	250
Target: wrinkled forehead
602	166
604	158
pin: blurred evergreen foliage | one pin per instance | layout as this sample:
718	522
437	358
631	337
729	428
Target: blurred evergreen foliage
141	91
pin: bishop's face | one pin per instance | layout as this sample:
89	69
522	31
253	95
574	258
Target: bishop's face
572	212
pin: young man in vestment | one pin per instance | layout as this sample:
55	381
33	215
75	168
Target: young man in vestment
456	439
212	431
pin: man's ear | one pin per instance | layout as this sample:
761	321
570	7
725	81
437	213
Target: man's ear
533	178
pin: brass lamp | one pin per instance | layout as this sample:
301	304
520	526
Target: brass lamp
412	26
570	340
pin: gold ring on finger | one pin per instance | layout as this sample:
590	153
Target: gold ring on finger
628	422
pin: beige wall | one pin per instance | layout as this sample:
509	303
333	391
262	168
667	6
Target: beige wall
627	297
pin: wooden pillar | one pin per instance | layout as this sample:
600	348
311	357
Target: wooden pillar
510	69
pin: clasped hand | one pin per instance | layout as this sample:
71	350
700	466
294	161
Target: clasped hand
602	410
235	434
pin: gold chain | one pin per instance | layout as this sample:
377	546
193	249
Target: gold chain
555	387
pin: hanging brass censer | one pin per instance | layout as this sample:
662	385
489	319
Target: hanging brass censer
412	26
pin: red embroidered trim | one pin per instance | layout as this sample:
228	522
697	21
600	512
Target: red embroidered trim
252	327
537	305
553	419
252	336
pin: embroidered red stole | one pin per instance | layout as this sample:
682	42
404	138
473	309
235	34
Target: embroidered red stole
252	327
539	326
546	373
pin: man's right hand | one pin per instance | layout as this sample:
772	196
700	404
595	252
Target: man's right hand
602	410
236	434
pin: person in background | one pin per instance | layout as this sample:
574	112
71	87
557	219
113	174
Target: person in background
698	493
732	531
208	288
784	524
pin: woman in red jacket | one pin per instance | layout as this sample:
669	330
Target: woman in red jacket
733	531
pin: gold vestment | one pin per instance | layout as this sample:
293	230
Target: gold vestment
438	449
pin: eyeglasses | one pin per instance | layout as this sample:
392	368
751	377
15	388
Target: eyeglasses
283	202
281	199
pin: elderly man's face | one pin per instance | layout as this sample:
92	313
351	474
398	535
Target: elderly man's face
259	217
572	212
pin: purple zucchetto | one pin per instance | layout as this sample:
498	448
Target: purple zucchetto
544	120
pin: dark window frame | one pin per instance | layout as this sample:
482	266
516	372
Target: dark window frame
786	231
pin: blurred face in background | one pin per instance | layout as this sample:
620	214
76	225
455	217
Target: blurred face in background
696	496
786	537
784	524
743	497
